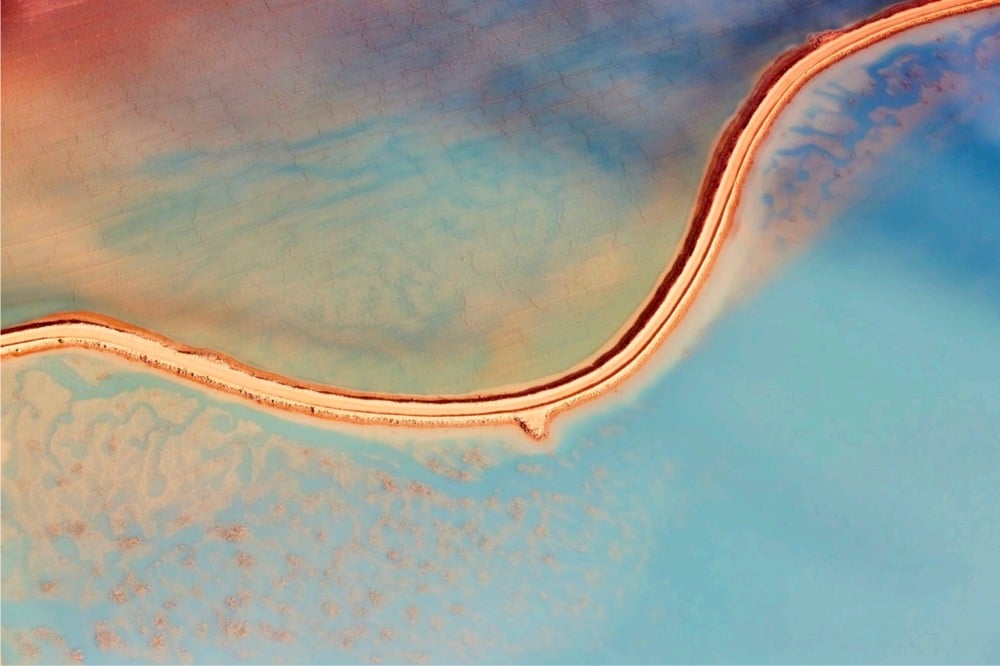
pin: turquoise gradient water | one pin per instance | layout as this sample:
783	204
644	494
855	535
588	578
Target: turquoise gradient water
815	483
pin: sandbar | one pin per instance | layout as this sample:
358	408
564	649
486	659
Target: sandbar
531	406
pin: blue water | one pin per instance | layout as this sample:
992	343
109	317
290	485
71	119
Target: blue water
815	483
846	429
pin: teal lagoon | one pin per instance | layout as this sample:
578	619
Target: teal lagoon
816	482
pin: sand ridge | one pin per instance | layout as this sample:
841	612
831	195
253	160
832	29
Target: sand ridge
531	406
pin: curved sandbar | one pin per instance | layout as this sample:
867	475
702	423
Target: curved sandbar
532	406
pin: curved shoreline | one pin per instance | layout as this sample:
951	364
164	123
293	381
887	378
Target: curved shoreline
531	406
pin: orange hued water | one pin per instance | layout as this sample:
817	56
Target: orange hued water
814	480
430	200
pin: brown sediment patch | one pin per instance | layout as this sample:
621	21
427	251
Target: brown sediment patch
531	406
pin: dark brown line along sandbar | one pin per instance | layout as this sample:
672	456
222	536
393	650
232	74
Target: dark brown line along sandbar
532	405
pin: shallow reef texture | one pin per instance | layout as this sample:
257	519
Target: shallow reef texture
834	144
816	482
187	529
429	197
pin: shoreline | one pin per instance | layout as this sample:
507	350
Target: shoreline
531	406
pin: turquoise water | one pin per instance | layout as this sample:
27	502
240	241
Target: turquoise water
846	427
816	482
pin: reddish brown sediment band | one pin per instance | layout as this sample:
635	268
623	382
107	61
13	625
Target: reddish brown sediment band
531	406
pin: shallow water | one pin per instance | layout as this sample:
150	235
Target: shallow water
431	199
814	482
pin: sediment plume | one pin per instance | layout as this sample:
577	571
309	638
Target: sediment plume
530	406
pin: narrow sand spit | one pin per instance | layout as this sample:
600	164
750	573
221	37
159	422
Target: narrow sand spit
530	406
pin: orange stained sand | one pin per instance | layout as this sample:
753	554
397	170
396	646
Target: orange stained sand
530	406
